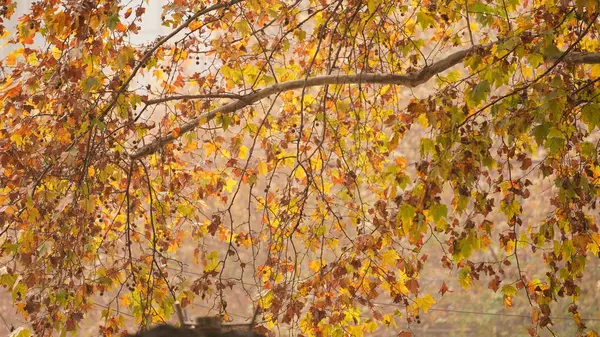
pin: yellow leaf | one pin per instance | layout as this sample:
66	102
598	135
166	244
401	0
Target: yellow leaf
300	174
355	331
213	261
389	320
315	265
209	149
159	74
229	185
56	53
352	314
384	90
32	59
595	71
422	119
389	258
594	246
243	154
425	302
125	301
464	277
20	332
262	168
195	25
267	300
370	326
527	72
94	22
91	171
399	286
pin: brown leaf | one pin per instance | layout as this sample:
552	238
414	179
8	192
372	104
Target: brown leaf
581	241
494	283
443	288
405	334
413	286
416	107
526	164
535	315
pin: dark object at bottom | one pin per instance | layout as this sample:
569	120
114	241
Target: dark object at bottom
171	331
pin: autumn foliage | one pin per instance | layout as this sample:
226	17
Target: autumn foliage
268	142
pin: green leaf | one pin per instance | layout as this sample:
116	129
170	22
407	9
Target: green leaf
90	83
465	247
512	209
535	59
540	132
406	213
588	149
226	121
556	140
438	211
479	7
590	115
112	21
552	52
425	20
124	56
479	93
427	146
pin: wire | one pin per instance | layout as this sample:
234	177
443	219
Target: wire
119	312
194	304
465	312
231	314
483	313
5	323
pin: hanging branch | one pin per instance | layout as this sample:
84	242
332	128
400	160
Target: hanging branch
407	80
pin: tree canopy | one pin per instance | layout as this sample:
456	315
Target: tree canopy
316	156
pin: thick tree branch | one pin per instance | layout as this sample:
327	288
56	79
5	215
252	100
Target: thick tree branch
583	58
407	80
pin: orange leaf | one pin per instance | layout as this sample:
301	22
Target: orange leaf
121	27
176	132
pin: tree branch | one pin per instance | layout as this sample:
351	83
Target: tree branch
184	97
407	80
159	43
583	58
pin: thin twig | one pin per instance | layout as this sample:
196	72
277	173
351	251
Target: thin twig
563	56
469	23
159	43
